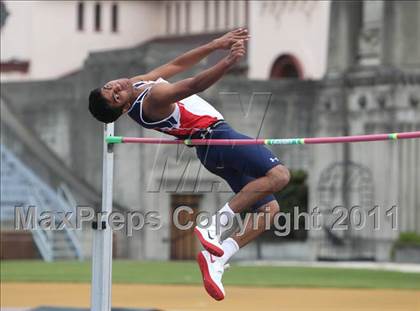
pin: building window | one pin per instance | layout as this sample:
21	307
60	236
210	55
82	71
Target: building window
227	13
235	13
286	66
4	14
246	13
216	14
80	15
98	17
178	17
168	17
114	17
206	15
188	16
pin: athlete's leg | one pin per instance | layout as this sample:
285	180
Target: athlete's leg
255	224
212	268
275	180
254	174
250	195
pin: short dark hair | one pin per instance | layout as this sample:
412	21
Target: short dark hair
100	108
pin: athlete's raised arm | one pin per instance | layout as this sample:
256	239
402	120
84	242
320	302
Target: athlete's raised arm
191	58
164	94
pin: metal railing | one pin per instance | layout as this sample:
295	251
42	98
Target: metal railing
21	187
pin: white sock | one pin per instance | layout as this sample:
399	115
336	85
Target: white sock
230	247
225	212
223	219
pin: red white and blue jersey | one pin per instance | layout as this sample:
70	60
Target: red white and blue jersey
190	115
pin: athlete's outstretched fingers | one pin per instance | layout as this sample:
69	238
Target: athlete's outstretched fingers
241	34
227	40
238	45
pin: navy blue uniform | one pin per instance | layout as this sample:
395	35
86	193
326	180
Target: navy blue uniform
238	165
193	117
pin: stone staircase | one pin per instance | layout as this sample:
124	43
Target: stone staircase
21	187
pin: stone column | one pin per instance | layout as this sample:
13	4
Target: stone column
345	21
401	35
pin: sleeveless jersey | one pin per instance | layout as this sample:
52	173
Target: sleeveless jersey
190	115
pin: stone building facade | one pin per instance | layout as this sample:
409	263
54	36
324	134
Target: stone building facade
48	32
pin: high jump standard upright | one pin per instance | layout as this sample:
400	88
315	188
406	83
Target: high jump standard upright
102	235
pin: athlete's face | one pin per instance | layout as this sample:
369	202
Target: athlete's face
118	93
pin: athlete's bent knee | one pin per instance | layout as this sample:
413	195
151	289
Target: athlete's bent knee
273	208
279	177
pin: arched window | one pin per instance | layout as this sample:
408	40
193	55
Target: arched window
286	66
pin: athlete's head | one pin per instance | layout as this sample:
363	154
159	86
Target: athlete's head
109	102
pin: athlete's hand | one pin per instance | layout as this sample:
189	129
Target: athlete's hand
226	41
236	52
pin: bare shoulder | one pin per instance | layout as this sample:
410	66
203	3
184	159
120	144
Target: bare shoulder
156	104
158	92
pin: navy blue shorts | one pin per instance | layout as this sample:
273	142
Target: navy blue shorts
238	165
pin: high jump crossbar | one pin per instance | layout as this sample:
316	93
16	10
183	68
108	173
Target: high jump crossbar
102	237
259	141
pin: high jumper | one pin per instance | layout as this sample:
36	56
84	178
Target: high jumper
253	172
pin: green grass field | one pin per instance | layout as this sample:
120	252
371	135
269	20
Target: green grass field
187	273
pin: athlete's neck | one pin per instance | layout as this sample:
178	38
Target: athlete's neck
136	92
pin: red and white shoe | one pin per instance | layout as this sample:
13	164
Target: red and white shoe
212	271
210	240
